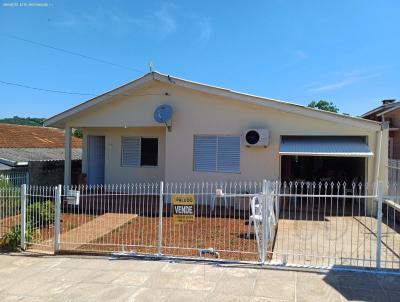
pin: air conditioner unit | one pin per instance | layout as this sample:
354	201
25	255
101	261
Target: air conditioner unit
256	138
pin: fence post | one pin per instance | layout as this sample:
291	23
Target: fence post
160	218
264	240
23	216
379	225
57	219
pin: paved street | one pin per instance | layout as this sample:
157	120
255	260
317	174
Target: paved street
78	278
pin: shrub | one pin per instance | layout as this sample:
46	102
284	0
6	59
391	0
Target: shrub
5	183
40	214
12	238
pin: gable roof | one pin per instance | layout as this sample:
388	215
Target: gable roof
390	109
60	119
21	136
383	109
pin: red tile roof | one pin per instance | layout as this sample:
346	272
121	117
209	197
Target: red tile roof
18	136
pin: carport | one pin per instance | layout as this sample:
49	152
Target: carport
324	158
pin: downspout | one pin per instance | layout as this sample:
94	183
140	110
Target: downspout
378	148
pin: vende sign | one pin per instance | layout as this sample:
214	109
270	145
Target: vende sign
183	208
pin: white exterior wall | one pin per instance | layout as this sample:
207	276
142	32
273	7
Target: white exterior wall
200	113
115	173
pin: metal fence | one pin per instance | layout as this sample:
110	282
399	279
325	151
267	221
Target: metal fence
298	223
139	218
38	205
330	224
10	209
394	177
13	178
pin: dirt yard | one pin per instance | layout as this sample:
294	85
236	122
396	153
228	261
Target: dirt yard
228	236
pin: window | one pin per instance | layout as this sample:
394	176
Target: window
217	153
149	152
139	151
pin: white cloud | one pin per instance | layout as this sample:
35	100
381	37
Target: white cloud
166	18
206	30
349	79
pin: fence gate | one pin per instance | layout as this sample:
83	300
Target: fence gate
38	218
332	224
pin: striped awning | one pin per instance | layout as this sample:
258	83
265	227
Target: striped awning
343	146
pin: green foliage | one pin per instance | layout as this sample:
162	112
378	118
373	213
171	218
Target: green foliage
324	105
29	121
4	183
12	238
40	214
78	132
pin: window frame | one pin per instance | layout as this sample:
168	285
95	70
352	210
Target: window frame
216	153
140	151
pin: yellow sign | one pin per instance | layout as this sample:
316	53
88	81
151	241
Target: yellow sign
183	208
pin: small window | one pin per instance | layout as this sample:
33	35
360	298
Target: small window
217	153
139	151
149	152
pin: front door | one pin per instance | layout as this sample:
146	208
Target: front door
96	159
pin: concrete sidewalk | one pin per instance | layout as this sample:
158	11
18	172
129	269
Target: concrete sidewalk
73	278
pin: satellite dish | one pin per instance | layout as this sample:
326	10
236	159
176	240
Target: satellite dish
163	113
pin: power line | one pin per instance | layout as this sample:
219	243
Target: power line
47	90
73	53
74	93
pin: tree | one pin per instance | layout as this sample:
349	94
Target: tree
78	133
29	121
324	105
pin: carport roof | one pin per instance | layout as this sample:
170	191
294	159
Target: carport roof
341	146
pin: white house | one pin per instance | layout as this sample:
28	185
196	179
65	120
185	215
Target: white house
206	137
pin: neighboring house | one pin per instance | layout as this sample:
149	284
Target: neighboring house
37	151
389	112
208	137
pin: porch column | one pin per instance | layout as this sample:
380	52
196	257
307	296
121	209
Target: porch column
67	151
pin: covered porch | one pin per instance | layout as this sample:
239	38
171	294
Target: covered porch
118	155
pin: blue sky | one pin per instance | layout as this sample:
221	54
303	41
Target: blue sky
346	52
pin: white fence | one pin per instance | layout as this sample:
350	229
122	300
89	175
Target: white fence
138	218
308	224
13	178
394	178
330	224
10	208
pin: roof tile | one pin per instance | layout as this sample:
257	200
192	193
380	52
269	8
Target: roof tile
20	136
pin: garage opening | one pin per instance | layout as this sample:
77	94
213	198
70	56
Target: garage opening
328	158
318	168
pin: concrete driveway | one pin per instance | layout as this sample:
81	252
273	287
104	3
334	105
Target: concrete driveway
73	278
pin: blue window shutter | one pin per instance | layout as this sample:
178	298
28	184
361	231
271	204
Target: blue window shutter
130	151
228	154
205	153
